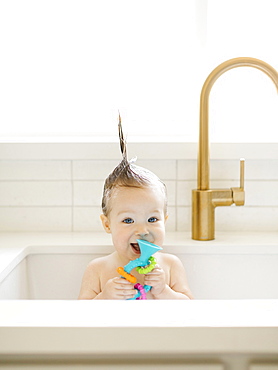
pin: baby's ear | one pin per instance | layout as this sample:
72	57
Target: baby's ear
105	223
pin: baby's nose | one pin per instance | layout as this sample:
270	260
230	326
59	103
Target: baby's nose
142	231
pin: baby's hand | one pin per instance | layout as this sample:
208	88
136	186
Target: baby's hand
156	278
118	288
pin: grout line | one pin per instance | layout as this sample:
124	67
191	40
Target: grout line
176	198
72	197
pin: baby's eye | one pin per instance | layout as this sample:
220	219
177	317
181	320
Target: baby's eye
128	221
152	219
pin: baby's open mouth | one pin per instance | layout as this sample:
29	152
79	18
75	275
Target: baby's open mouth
135	247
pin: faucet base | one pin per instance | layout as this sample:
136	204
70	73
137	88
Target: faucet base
202	215
203	206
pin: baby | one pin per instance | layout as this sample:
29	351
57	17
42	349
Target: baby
134	206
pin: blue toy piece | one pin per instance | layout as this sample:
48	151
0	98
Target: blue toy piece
147	250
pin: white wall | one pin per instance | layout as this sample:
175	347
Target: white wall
68	66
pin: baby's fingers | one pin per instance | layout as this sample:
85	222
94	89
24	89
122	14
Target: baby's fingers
125	289
156	271
122	281
127	293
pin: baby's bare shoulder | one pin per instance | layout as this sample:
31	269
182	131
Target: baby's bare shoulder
100	262
167	258
96	268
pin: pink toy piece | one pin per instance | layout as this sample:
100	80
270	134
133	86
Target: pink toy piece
141	290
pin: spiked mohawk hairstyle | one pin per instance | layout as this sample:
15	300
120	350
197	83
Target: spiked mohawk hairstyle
127	174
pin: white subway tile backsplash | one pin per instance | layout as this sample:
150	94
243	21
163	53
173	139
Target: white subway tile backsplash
87	219
35	193
171	192
230	169
261	193
254	169
35	170
187	170
36	219
261	169
246	218
87	193
92	170
224	169
183	219
184	192
65	195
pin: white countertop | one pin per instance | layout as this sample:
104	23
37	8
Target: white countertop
141	328
101	238
148	314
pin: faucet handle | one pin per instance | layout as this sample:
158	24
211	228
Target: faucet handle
242	164
238	193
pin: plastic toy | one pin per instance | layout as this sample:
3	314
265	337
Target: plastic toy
144	264
147	269
141	290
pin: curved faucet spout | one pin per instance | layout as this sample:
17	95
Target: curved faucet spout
203	162
204	199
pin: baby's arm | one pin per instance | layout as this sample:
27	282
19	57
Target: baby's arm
90	286
178	286
115	288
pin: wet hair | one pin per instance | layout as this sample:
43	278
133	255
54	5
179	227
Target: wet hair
127	174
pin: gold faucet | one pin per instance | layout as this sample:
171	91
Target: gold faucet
204	199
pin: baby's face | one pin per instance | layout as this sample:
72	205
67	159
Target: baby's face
136	213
